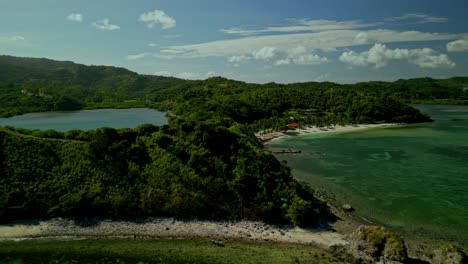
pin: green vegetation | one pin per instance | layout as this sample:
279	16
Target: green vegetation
206	163
384	243
448	253
120	251
189	169
273	106
33	85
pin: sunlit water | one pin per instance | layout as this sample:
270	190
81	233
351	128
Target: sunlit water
87	119
412	178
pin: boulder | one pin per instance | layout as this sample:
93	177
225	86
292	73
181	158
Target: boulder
375	244
348	207
218	243
449	254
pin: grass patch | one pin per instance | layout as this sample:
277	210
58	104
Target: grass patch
104	251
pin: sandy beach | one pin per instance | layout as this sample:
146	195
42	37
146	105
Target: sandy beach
170	228
267	137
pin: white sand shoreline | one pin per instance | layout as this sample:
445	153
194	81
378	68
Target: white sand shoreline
169	228
268	137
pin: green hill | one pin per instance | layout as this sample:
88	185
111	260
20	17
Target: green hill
206	163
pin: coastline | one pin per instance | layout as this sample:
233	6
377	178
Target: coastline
418	245
268	137
155	228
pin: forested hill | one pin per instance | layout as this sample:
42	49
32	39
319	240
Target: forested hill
189	169
206	163
32	85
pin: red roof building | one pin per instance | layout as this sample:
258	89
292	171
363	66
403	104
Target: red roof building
293	125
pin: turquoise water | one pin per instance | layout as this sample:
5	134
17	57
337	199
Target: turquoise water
87	119
412	178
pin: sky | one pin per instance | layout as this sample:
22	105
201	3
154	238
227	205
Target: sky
249	40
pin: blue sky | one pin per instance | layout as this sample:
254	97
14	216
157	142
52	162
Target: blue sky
256	41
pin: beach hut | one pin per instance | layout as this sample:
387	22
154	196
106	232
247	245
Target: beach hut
295	125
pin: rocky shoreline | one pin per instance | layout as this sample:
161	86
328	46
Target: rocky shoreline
345	237
170	228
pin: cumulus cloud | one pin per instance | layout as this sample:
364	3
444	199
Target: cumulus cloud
210	74
303	25
75	17
297	55
458	45
163	73
194	75
186	75
300	56
281	44
239	59
309	59
428	58
361	38
379	56
299	48
265	53
157	17
285	61
322	77
419	18
105	24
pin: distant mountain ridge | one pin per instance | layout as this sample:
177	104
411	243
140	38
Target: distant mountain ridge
90	85
39	84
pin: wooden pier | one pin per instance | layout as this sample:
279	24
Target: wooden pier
286	151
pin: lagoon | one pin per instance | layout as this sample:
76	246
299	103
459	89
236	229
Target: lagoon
87	119
411	178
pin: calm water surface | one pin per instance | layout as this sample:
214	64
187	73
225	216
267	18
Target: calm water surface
413	178
87	119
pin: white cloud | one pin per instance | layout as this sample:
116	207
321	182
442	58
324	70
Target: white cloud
139	56
300	56
186	75
105	24
75	17
458	45
419	18
189	75
379	56
238	59
157	17
300	48
322	77
16	38
153	45
428	58
239	31
265	53
297	55
280	62
309	59
210	74
325	41
163	73
303	25
361	38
